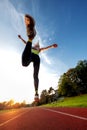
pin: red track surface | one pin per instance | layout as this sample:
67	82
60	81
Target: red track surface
44	119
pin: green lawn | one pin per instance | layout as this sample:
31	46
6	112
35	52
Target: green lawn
78	101
10	110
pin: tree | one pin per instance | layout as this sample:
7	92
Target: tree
10	104
43	97
74	81
81	70
66	87
51	93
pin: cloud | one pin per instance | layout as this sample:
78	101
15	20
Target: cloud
16	81
45	58
35	8
11	15
48	78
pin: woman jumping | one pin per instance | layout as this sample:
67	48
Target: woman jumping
31	54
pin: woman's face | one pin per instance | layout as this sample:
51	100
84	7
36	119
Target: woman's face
27	21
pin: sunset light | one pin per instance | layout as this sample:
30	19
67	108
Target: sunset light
56	22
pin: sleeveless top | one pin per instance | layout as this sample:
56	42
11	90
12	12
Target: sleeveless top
35	51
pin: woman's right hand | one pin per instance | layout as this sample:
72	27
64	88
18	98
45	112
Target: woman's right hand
19	36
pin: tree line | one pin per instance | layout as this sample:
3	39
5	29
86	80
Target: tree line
11	105
71	83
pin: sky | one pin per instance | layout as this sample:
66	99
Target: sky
57	21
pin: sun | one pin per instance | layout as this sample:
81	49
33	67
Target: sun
16	81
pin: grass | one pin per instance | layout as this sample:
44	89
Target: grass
78	101
1	111
9	110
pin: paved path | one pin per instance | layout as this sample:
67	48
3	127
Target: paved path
39	118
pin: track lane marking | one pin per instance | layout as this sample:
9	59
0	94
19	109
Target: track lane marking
14	118
67	114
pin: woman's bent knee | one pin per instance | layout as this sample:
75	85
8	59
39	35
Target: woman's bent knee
25	64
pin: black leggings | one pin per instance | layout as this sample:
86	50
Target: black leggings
27	58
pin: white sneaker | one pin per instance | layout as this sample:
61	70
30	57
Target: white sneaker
36	98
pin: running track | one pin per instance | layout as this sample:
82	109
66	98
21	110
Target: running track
39	118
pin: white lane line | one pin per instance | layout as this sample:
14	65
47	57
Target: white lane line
67	114
13	118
